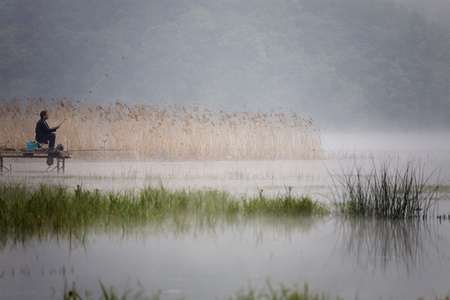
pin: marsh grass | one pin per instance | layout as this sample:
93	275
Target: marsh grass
402	192
27	212
163	132
107	293
284	292
286	205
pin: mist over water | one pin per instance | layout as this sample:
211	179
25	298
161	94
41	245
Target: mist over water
422	142
245	178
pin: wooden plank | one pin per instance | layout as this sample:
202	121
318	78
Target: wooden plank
60	157
33	154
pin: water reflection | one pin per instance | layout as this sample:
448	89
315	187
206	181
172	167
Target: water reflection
76	238
163	256
19	239
386	245
371	259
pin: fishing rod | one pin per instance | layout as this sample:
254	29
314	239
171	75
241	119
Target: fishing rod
103	78
98	150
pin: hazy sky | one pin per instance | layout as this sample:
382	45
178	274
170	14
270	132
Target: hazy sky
229	54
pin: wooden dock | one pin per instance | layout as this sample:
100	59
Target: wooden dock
59	156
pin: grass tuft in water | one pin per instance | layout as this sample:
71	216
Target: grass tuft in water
402	193
109	293
286	205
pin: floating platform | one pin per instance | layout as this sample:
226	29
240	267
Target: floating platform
59	156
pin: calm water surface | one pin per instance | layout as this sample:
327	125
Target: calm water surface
372	259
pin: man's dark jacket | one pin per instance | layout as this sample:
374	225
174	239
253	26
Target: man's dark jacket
43	130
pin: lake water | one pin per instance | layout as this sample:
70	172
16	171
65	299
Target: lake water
347	258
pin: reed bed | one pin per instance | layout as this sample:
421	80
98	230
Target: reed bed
171	132
400	192
26	213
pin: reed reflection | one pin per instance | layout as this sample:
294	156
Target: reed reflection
259	228
388	245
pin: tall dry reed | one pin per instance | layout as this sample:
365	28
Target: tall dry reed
171	132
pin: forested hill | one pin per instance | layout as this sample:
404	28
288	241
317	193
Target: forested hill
359	63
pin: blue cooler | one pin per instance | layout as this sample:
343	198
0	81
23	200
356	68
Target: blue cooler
31	145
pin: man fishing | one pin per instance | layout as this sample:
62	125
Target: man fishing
44	133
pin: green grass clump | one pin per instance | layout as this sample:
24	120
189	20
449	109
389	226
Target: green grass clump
402	193
26	212
286	205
